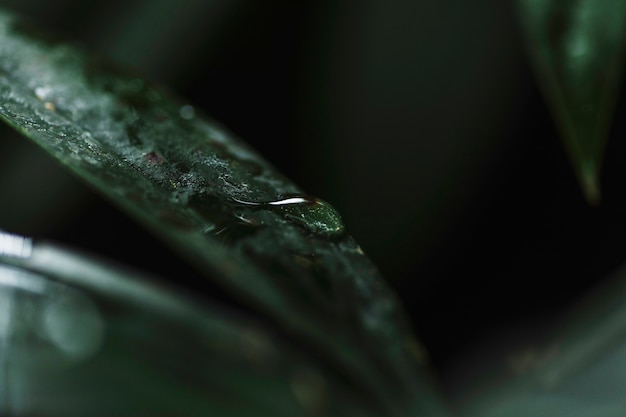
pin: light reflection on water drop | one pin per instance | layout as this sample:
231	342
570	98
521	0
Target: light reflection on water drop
291	200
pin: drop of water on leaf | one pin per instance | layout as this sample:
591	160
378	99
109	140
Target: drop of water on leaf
314	214
222	223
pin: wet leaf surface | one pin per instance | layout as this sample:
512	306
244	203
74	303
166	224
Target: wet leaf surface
220	205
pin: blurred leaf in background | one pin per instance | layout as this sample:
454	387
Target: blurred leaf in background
577	369
80	336
578	48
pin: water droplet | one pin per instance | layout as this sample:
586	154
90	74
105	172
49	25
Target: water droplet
312	213
187	112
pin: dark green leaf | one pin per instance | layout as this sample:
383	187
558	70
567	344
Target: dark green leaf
578	370
577	48
79	337
218	204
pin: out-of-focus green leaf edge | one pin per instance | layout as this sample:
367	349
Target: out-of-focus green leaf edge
179	177
211	341
577	52
578	370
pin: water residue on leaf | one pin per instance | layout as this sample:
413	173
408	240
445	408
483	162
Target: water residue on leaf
312	213
236	219
226	224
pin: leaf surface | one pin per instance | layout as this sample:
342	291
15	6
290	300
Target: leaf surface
577	48
220	205
579	370
79	336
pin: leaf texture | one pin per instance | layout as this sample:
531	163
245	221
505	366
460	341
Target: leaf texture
219	205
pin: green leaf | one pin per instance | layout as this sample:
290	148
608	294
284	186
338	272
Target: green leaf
81	337
578	370
220	205
577	49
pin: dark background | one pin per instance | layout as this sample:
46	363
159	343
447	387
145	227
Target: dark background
420	121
